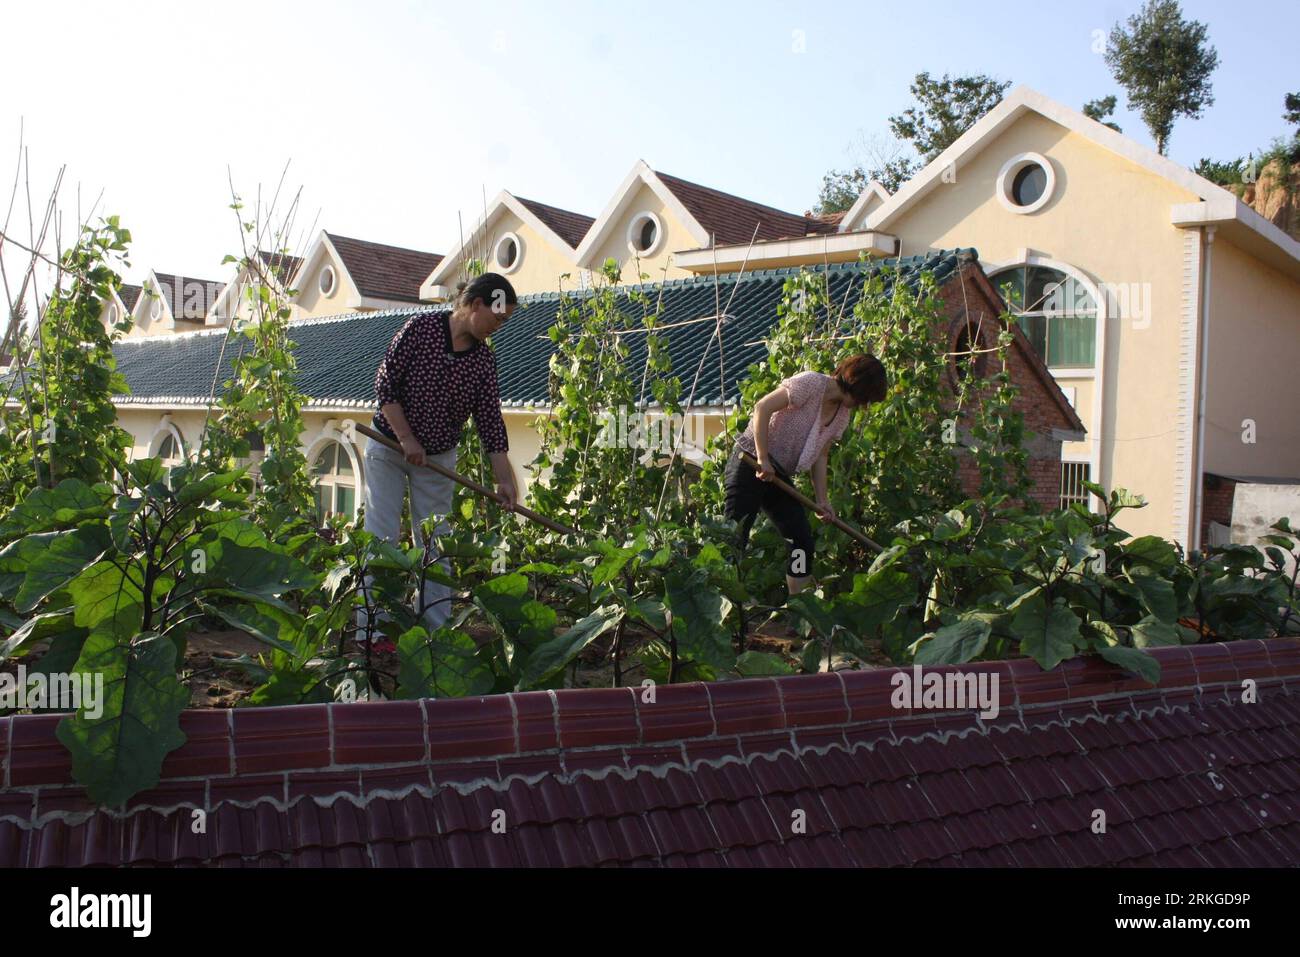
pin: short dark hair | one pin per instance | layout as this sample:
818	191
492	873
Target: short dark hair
863	377
490	287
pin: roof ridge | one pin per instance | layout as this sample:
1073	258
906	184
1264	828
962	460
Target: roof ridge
371	242
742	199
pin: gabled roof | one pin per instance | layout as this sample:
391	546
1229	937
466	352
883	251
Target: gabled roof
281	269
873	196
732	219
710	216
1214	204
714	775
129	295
569	226
562	228
185	298
337	356
283	266
380	271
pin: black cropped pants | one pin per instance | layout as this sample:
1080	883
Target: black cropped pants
747	494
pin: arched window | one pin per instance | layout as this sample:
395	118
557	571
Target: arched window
969	344
1057	313
171	451
336	483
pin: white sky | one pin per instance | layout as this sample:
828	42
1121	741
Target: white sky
397	115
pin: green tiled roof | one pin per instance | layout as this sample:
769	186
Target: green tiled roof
337	356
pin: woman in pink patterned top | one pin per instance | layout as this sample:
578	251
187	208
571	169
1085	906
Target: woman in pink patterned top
437	373
791	431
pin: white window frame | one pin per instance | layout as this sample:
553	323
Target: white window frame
519	253
327	272
1007	178
634	231
318	448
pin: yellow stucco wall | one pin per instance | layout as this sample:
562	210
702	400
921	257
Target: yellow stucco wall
1110	219
658	266
541	264
310	303
1254	360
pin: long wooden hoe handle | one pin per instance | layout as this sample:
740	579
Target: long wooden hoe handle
470	484
806	502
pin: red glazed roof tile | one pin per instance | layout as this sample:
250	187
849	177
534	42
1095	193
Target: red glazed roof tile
717	775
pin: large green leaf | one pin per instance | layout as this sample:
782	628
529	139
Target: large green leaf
1152	550
1156	593
1151	632
1048	635
37	628
955	644
521	619
813	610
102	590
269	624
698	610
756	664
876	598
611	564
203	488
120	753
551	656
1132	659
17	558
446	664
65	556
69	502
290	686
258	570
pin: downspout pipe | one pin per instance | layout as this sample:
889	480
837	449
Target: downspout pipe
1198	493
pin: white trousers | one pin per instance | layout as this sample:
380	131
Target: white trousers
388	475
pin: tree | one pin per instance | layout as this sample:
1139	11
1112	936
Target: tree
1292	104
842	187
947	108
1100	109
1225	174
1164	62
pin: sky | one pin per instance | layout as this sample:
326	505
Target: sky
395	117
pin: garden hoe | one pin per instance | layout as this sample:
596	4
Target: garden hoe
470	484
806	502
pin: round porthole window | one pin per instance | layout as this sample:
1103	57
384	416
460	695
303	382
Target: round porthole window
508	253
155	310
645	234
1026	183
112	315
327	281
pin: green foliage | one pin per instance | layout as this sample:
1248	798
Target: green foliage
842	187
64	377
1164	63
946	108
119	575
1223	173
262	397
1100	109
